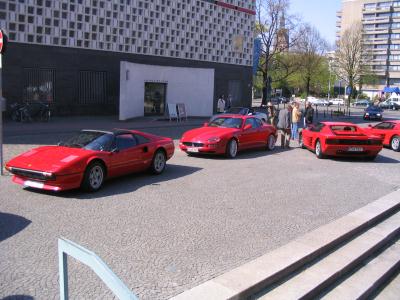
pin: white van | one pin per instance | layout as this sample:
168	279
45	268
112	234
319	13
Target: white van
394	102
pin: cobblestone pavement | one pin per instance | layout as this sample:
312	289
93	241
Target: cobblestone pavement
165	234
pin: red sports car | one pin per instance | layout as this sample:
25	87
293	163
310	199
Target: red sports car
228	134
90	157
389	131
340	139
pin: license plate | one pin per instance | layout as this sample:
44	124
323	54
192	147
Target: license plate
33	184
356	149
192	149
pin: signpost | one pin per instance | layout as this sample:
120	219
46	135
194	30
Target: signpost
3	44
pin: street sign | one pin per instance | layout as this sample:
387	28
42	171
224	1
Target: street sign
3	41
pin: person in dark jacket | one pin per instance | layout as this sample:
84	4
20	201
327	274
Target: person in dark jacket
284	125
308	115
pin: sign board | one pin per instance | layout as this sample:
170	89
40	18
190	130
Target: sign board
238	43
181	110
172	113
3	41
256	54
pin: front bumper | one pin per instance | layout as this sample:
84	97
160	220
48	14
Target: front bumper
205	148
62	183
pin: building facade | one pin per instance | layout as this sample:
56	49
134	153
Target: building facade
70	52
381	24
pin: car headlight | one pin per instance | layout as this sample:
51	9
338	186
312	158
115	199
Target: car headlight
367	114
214	139
378	114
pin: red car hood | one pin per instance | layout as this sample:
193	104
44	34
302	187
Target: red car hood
48	158
204	133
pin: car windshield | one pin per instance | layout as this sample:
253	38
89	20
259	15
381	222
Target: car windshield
226	122
236	110
373	108
90	140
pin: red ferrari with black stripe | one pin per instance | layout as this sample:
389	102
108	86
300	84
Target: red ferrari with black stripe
90	157
340	139
389	131
227	135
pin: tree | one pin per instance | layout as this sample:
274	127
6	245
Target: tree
274	29
352	57
310	50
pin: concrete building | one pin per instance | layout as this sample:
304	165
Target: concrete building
130	57
381	23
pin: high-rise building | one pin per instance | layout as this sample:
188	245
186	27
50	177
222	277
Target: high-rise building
381	24
130	57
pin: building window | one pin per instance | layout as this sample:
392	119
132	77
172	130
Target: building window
39	85
92	87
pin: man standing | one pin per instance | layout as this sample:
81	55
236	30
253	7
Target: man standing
221	104
296	117
228	102
308	115
284	126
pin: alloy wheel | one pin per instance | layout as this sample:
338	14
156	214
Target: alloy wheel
96	177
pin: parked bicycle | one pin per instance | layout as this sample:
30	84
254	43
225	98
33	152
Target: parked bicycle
30	111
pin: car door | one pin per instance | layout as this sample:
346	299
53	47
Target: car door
249	136
127	155
147	151
312	135
263	132
385	130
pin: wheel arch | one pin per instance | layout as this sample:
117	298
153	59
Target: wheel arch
97	159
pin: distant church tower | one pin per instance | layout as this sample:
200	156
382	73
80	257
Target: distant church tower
282	38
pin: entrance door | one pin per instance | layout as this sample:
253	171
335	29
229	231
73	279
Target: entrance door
154	98
235	90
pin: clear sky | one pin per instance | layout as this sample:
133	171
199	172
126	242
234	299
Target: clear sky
319	13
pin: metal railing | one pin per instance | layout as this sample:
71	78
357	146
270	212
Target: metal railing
89	258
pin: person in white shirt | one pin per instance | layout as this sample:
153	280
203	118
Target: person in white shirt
221	104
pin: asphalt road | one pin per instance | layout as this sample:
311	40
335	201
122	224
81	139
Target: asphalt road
165	234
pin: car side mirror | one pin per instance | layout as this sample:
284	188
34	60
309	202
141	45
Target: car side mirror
369	125
60	144
247	127
205	124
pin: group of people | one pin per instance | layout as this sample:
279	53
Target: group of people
224	104
288	120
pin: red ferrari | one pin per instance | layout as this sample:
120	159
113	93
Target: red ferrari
227	135
340	139
90	157
389	131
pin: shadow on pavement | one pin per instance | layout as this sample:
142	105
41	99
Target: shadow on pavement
10	225
126	184
18	297
380	159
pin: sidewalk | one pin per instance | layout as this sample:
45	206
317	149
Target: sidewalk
72	124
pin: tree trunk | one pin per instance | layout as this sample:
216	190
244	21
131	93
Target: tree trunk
351	84
308	81
265	88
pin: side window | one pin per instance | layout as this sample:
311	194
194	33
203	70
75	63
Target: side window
259	122
141	139
318	127
248	121
125	141
384	125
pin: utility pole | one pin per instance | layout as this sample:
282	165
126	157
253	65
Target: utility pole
3	44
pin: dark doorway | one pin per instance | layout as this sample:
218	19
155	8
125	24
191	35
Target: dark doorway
235	90
154	98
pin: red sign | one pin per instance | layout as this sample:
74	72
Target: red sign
3	41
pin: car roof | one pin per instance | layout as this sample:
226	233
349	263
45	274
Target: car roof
114	131
232	116
339	124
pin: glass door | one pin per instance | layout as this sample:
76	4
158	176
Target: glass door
154	98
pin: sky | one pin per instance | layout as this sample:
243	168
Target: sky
319	13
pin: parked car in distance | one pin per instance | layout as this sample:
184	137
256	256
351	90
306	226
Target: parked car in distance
336	101
389	131
361	103
390	104
340	139
228	134
90	157
373	112
312	99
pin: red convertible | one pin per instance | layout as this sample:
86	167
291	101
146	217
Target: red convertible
90	157
340	139
389	131
227	135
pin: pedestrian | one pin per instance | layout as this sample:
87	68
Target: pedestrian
296	116
283	126
221	104
308	115
228	102
271	114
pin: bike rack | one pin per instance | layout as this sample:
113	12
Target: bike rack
89	258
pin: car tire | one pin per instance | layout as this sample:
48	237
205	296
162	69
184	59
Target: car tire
271	141
231	149
159	162
301	143
94	176
318	150
395	143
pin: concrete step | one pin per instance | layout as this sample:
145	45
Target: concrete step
391	291
263	272
369	278
314	279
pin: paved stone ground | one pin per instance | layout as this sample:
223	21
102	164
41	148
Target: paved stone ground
165	234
